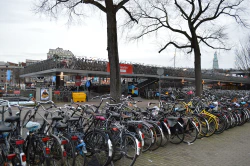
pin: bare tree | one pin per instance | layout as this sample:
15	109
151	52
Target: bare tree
16	76
110	8
242	59
192	23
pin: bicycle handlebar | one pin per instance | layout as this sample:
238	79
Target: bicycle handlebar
47	102
101	97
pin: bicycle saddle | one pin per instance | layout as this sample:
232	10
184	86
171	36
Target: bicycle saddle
4	129
12	119
60	125
56	118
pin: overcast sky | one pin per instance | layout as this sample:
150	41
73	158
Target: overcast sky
26	35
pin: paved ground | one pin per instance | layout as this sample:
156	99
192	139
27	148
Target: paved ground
231	148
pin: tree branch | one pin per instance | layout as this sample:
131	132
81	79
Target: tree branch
176	45
209	45
182	11
200	12
122	3
131	17
218	12
95	3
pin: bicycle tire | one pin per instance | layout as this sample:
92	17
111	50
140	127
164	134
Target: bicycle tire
97	148
148	137
128	151
222	125
190	132
70	153
158	137
212	126
26	118
166	134
177	133
56	153
35	153
204	126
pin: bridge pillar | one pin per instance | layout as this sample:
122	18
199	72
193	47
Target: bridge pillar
59	80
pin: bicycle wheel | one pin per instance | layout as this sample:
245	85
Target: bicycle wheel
70	153
98	151
204	128
191	132
148	137
158	137
56	153
166	133
35	153
222	125
177	133
212	126
26	119
127	150
198	123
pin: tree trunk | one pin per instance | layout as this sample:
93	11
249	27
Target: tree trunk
115	78
197	67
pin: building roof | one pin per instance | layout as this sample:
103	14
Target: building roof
2	63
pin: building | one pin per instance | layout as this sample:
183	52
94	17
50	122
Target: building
215	61
60	53
4	67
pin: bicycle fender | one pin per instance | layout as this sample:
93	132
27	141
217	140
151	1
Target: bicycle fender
152	135
110	148
142	140
166	126
195	126
163	136
138	148
23	163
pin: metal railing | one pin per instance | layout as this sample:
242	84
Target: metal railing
83	63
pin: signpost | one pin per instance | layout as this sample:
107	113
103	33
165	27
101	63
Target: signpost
160	72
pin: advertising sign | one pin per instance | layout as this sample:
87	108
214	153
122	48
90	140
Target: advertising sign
8	75
53	78
124	68
78	81
44	94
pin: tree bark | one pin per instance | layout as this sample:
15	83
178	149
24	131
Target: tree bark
115	78
197	66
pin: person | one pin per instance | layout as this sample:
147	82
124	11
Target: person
88	85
